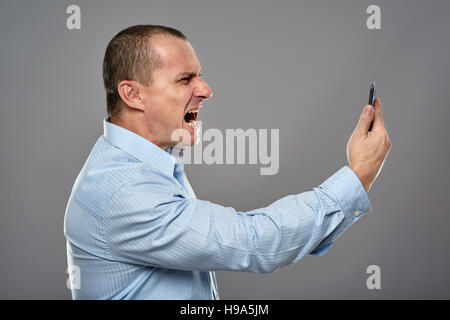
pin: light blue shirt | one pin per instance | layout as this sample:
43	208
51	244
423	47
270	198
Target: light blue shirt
135	229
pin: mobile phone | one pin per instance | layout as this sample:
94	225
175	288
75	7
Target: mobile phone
372	92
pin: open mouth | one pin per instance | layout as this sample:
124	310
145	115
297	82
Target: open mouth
191	117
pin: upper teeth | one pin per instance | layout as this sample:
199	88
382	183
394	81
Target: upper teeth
193	111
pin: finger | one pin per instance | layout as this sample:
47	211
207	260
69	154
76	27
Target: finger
367	115
378	122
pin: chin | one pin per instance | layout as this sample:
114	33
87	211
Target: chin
190	141
189	135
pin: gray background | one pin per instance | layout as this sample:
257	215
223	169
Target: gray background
302	67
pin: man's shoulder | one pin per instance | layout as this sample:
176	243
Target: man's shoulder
105	171
108	171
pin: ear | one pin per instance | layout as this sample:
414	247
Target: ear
130	94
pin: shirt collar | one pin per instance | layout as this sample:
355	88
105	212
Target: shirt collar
143	149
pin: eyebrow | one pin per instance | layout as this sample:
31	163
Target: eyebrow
189	73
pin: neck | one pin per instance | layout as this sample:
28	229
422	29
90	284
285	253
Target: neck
134	124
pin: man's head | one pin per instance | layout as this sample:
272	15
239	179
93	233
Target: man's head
152	81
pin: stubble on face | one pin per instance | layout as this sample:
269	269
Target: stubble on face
171	92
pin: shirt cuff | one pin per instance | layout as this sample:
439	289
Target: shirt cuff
346	189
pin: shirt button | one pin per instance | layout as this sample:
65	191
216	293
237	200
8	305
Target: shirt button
357	213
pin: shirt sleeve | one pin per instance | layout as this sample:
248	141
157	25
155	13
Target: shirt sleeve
157	224
346	189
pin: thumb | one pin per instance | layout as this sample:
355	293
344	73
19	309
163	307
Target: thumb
366	118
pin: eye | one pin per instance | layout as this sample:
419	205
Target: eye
186	79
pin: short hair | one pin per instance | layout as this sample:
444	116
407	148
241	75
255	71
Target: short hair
129	56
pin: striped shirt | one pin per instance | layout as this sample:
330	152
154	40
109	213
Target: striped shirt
135	229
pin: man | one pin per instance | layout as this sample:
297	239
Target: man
134	227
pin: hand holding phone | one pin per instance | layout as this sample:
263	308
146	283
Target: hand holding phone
366	150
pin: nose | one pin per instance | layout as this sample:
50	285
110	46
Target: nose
202	90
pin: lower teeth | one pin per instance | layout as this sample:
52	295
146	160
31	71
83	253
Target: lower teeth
192	123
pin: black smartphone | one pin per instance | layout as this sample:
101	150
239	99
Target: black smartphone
372	92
